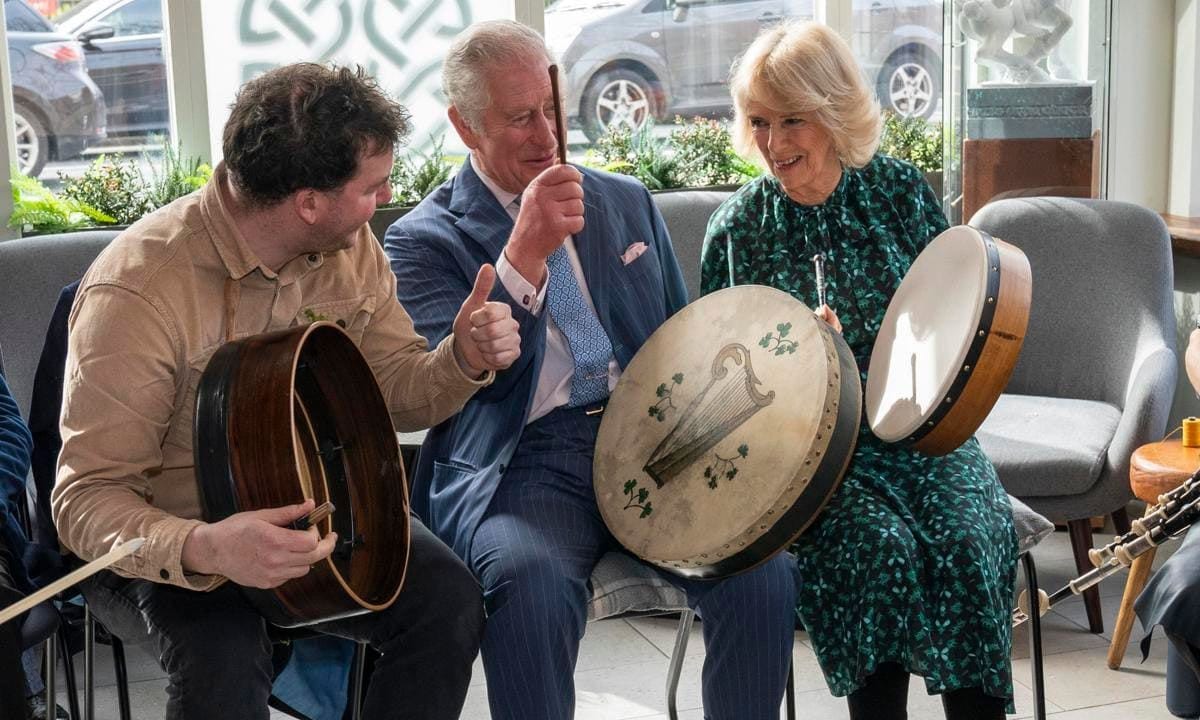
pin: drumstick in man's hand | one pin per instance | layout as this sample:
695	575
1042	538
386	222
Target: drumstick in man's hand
559	122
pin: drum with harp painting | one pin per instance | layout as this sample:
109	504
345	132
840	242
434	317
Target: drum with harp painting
949	341
297	414
727	433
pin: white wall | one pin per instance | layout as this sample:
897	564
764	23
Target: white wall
1139	131
1184	183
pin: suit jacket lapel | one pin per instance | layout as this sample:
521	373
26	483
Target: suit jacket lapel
481	216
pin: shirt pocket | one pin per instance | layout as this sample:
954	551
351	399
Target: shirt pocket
351	314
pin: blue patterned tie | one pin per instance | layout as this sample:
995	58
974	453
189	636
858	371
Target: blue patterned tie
590	345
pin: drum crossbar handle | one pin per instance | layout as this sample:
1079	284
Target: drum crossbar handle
819	271
1174	514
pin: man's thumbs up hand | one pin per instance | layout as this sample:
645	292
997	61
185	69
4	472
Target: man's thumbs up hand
485	335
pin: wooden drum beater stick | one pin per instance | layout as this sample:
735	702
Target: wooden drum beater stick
560	122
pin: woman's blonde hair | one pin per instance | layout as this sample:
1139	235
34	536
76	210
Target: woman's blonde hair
807	68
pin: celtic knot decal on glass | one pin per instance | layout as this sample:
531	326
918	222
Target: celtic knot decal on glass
400	42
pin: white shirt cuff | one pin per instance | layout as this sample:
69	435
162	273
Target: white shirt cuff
519	288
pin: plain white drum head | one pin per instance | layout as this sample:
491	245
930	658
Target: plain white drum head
926	333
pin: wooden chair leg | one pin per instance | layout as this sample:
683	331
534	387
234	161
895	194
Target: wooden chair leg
1139	573
1081	542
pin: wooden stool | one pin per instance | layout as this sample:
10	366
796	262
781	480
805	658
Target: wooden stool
1154	469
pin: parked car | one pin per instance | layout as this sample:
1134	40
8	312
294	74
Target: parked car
634	61
58	110
123	42
899	44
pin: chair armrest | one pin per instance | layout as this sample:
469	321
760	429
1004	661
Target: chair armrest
1147	405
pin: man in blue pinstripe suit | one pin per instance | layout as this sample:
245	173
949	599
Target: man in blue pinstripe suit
584	260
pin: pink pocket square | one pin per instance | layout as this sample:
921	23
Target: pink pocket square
633	252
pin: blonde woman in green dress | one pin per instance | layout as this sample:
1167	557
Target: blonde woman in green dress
910	568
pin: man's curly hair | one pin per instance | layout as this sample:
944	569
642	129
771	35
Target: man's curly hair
307	126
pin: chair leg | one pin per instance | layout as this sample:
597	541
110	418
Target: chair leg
50	663
118	652
68	661
1120	518
1081	542
1139	573
790	708
676	667
1035	641
358	672
89	664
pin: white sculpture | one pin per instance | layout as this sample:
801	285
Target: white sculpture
992	22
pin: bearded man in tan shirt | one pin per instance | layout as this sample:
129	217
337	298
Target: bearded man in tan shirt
278	236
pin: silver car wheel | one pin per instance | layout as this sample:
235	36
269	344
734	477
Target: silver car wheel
623	102
910	90
29	145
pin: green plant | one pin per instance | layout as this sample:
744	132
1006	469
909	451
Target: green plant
640	154
37	209
174	176
696	154
913	139
415	175
706	155
111	185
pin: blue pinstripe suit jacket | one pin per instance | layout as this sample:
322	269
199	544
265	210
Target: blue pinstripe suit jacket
436	251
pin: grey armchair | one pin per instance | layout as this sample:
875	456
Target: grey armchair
1097	372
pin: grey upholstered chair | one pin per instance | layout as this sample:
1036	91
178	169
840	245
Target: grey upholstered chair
1097	372
686	213
32	273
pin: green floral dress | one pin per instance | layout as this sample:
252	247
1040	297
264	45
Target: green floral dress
913	559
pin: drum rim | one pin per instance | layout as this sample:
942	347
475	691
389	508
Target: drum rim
967	360
214	458
835	456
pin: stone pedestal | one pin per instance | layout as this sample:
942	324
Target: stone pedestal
1002	112
1028	141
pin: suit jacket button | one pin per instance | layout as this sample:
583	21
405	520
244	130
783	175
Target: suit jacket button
502	468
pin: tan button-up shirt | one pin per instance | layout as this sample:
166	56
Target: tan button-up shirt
150	313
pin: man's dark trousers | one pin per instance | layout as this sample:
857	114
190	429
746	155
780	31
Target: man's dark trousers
217	655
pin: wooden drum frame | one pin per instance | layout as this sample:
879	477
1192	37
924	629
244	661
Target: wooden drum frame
297	414
937	409
727	433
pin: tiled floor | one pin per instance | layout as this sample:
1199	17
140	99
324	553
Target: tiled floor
622	668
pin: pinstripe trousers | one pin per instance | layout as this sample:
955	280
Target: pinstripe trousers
533	554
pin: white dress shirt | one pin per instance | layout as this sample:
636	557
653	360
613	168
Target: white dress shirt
558	366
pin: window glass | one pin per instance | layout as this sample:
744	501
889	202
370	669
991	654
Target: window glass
77	98
19	17
401	44
1029	101
898	44
641	65
139	17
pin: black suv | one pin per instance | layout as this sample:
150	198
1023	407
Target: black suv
59	111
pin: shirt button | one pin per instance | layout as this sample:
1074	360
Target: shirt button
164	574
525	301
